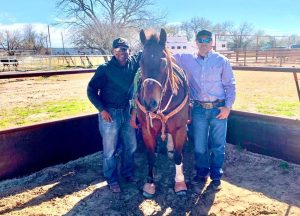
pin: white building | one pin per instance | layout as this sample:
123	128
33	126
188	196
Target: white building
180	44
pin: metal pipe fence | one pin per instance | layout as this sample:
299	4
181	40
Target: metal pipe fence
51	62
238	57
272	57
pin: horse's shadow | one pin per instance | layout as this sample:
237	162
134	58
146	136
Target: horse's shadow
132	202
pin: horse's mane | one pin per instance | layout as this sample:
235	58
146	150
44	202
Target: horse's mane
172	65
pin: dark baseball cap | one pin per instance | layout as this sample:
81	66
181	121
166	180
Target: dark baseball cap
120	42
204	33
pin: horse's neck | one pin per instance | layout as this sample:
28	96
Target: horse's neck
176	98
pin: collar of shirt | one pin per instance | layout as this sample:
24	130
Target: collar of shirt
204	57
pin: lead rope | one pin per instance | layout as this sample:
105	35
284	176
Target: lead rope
147	122
160	112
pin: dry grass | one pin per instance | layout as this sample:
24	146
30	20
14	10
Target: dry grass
270	93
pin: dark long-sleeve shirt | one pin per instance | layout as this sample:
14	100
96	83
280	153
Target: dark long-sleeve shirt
111	85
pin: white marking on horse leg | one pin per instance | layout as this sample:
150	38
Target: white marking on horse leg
179	173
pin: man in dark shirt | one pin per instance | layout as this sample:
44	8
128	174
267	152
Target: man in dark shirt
109	91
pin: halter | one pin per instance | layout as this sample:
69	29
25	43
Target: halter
163	91
153	80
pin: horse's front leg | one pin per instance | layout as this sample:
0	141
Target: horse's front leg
150	143
179	139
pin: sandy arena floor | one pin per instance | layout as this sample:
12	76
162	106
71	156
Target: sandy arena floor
252	185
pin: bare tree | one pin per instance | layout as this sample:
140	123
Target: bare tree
199	23
294	39
173	29
241	36
194	25
185	27
10	40
29	37
223	28
32	40
259	39
97	22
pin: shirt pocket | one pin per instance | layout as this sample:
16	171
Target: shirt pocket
214	73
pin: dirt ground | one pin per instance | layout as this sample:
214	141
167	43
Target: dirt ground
252	185
22	92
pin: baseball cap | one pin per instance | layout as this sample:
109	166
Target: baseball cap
120	42
204	33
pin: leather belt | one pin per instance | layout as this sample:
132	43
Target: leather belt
209	105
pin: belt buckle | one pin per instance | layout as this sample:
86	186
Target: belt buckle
207	105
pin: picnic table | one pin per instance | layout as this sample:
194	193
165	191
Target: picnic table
8	62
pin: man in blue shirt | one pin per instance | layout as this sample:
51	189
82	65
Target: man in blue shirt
109	91
212	91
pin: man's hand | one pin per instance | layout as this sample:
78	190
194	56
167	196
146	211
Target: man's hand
105	115
224	113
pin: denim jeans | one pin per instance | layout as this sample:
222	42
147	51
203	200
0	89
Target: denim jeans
209	135
111	132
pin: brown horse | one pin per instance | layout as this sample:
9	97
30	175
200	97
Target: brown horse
163	105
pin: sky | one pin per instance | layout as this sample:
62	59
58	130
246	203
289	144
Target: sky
275	17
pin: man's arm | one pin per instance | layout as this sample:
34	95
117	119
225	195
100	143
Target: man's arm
228	82
94	88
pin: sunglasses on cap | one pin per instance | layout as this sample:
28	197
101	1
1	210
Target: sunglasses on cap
123	49
204	40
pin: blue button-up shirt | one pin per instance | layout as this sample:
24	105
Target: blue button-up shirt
210	78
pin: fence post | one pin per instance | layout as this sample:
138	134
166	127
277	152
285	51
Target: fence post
297	84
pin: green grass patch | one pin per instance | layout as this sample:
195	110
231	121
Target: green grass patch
289	109
284	166
21	116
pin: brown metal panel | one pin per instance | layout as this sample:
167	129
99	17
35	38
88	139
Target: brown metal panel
28	149
268	135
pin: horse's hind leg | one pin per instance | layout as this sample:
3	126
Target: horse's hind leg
179	139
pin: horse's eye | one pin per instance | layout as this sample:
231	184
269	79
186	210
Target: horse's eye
163	62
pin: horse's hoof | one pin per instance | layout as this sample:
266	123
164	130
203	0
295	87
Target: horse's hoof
149	190
180	188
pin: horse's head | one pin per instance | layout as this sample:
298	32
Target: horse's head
154	66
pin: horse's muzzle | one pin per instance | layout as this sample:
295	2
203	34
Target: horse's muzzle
151	105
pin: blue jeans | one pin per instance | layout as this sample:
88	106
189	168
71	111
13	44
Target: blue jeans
209	139
111	131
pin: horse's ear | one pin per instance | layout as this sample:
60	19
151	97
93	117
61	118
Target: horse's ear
163	37
142	37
